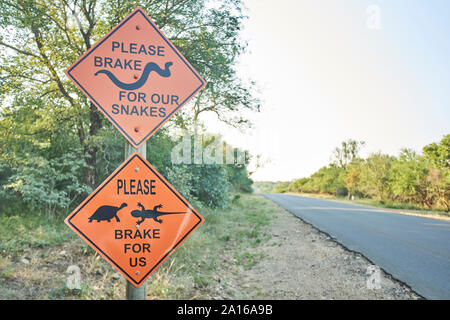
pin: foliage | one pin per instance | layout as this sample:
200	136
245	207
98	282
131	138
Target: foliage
210	183
411	179
437	156
47	185
408	178
19	233
238	174
239	178
341	191
181	179
40	39
348	151
375	175
352	178
281	187
265	186
56	146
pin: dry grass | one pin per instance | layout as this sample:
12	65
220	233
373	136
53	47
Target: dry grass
35	266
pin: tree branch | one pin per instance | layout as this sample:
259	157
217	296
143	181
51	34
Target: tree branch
19	50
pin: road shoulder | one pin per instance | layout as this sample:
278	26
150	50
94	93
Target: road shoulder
300	262
417	213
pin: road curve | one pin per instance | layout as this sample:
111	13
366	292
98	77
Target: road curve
415	250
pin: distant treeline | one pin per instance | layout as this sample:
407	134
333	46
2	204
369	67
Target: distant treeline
411	178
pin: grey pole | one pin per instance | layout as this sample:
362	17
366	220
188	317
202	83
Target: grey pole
134	293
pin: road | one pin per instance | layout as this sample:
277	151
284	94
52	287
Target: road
414	250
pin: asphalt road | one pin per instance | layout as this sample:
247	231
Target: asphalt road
412	249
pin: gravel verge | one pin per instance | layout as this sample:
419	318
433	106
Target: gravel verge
301	262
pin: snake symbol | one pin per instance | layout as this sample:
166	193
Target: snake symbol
149	67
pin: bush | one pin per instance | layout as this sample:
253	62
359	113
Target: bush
45	185
210	185
281	187
341	192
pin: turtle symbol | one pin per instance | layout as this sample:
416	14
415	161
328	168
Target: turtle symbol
107	213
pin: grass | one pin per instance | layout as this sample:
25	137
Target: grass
198	269
226	237
18	233
391	204
401	207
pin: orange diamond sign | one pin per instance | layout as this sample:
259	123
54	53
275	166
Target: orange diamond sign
135	219
136	77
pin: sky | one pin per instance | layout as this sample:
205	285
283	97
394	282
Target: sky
328	71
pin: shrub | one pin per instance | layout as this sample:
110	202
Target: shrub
341	192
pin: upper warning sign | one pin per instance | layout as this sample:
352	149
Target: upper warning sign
135	219
136	77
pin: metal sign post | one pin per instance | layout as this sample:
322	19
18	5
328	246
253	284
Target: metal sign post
135	219
132	292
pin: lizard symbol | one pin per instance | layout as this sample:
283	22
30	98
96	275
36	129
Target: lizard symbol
150	214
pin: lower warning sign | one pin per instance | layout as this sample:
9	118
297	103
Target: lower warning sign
135	219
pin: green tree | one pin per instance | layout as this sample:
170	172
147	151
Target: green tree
408	178
326	180
439	153
48	185
438	157
299	185
348	151
352	179
281	187
375	176
44	117
40	39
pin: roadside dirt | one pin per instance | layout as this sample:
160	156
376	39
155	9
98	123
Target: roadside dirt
300	262
42	274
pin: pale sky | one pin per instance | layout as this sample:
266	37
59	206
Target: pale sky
328	71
